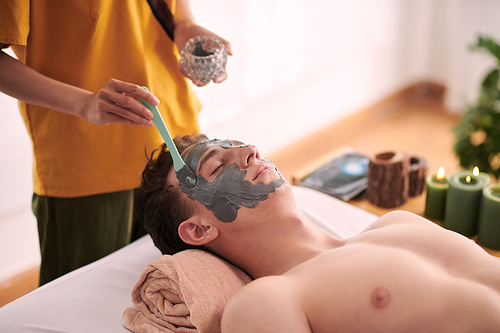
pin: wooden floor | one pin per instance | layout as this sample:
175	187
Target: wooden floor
18	285
412	120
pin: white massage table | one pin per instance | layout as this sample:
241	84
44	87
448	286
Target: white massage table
93	298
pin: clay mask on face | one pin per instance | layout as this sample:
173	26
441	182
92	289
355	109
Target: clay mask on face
229	191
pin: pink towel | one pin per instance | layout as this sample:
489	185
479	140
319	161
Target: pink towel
185	292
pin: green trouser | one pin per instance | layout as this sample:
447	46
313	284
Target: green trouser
74	232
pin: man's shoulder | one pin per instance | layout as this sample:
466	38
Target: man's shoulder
399	217
268	304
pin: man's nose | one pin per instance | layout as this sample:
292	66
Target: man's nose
248	155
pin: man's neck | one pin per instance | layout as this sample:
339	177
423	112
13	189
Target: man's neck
274	252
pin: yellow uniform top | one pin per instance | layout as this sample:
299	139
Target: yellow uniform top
85	43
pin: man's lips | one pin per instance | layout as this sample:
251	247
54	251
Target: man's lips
264	167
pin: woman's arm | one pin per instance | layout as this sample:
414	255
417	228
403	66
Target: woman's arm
116	102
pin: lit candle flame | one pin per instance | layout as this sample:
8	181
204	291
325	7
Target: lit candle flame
440	174
475	171
468	179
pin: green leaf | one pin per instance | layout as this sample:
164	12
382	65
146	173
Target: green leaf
488	44
489	85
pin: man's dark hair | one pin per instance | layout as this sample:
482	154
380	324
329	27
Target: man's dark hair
158	204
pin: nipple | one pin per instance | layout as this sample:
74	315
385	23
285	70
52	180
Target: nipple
380	297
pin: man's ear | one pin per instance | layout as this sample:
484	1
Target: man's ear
193	232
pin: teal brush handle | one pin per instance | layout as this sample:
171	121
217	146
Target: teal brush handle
184	174
162	128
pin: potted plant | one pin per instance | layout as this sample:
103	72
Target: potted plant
478	133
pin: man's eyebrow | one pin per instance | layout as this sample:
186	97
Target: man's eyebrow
206	157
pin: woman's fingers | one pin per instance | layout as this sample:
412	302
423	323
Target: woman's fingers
114	112
135	91
122	99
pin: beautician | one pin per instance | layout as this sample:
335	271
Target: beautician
78	77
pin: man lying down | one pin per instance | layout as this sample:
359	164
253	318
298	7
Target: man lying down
401	274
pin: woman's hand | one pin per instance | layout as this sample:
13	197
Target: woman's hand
184	30
118	102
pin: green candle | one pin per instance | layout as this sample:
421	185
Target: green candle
435	200
462	202
489	218
484	175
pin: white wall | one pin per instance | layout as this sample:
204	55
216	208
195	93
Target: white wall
323	58
298	66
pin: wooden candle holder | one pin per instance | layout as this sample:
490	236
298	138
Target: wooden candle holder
418	173
388	179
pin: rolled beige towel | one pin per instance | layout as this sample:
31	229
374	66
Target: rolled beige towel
185	292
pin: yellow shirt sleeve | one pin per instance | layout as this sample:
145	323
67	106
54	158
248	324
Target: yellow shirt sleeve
14	21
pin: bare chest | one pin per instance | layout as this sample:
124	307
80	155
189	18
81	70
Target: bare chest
387	285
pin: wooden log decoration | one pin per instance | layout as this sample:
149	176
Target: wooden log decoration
418	172
388	179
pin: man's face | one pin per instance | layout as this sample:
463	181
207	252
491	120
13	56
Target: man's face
230	175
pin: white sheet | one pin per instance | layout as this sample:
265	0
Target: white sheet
92	298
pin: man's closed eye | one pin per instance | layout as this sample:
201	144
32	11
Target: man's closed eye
217	169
